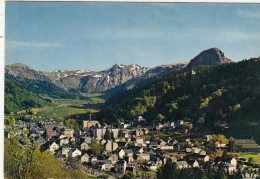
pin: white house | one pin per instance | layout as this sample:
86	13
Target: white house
84	158
74	153
84	146
65	151
182	164
53	147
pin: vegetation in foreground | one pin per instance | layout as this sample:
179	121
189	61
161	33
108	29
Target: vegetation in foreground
29	162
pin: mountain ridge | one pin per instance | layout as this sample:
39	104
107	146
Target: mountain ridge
112	79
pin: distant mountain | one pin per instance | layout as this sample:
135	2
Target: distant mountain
18	98
208	57
71	83
63	82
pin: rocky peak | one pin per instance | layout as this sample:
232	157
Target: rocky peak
208	57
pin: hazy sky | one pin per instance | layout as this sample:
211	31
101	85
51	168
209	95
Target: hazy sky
83	35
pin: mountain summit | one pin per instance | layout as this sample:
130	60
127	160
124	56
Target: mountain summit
208	57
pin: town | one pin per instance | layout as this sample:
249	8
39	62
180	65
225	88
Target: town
100	149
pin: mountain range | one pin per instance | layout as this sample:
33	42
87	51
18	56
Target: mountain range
71	83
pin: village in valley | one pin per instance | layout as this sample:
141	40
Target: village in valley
100	149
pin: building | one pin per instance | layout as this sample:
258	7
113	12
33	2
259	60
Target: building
120	166
100	132
84	158
245	145
87	124
74	153
182	164
67	132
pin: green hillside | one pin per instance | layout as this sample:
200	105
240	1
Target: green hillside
18	97
227	92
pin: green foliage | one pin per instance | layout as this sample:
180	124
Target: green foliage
18	97
96	148
72	123
219	138
10	120
27	161
128	175
108	135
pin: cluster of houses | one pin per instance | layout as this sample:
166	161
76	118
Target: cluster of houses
124	151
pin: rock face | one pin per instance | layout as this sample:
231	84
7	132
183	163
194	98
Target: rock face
208	57
84	81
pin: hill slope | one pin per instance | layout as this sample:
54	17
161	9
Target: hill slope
228	92
18	97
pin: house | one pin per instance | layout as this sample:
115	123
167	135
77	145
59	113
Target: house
111	146
159	126
139	150
84	158
152	154
122	125
113	158
87	124
64	141
230	168
203	152
196	150
182	164
104	165
100	166
65	151
53	147
139	132
143	157
161	142
88	140
49	133
166	147
74	153
120	166
207	137
84	146
139	119
129	152
174	159
121	153
139	140
152	166
203	158
220	145
67	132
93	159
193	163
231	161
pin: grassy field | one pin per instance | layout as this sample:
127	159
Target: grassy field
63	111
256	158
74	108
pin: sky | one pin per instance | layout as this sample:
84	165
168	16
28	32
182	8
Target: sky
49	36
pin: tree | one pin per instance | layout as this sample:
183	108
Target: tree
129	175
120	133
108	135
96	148
250	160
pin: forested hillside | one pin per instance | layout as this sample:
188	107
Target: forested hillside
18	97
229	92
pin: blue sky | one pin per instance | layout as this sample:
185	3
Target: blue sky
83	35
